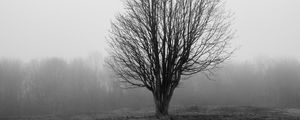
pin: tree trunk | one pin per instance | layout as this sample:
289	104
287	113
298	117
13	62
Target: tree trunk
162	106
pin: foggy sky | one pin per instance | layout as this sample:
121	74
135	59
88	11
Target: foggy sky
32	29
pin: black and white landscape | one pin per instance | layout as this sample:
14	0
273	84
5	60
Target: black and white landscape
149	60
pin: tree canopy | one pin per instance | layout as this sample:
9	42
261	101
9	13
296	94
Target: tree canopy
156	42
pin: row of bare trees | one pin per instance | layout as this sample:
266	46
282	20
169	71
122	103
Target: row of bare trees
57	86
267	83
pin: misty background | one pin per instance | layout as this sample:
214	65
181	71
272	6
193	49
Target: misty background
52	57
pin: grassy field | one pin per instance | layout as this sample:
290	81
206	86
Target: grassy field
181	113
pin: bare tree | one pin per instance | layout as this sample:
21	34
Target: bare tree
155	43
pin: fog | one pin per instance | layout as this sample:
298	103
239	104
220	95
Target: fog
52	59
84	85
34	29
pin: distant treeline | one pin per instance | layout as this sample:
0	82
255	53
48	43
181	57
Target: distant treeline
58	86
263	82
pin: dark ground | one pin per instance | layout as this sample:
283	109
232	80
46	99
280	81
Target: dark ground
181	113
